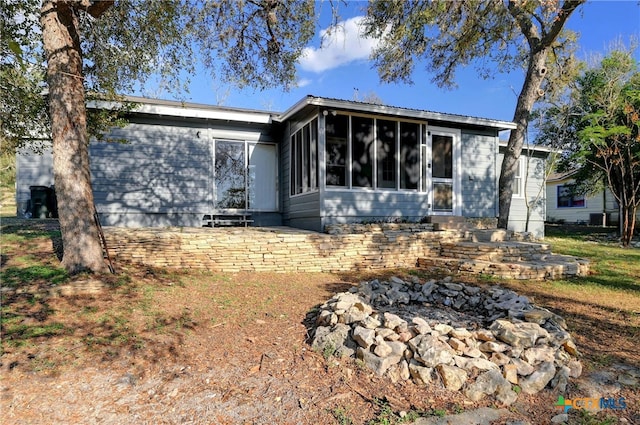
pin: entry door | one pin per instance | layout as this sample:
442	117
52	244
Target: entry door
229	175
263	177
444	177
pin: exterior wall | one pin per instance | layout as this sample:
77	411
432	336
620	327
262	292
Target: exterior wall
302	210
479	174
32	169
350	206
594	204
162	176
535	193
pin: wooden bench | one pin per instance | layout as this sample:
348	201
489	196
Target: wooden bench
219	220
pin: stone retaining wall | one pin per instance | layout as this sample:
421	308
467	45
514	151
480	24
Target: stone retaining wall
272	249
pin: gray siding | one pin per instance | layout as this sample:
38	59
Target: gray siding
344	206
162	176
479	181
32	169
536	196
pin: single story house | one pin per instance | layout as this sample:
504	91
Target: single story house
566	205
322	161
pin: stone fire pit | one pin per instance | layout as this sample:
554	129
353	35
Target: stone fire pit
483	341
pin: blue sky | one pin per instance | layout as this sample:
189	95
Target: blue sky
343	70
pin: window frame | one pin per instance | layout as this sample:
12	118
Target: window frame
303	159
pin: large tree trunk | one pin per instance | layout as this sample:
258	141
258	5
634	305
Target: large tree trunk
72	177
528	96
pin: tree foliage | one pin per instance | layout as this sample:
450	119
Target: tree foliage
600	123
494	36
98	49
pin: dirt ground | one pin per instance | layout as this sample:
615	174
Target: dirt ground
151	346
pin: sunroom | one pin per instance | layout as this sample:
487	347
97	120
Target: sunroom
356	162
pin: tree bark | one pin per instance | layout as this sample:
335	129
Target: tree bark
82	250
528	96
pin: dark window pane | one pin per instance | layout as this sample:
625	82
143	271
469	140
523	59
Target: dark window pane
442	151
362	151
442	197
386	131
409	156
336	128
230	175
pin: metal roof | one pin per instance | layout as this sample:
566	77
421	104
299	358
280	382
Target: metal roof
394	111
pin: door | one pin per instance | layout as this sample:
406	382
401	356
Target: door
443	164
229	175
262	177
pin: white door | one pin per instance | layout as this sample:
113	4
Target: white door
262	177
443	164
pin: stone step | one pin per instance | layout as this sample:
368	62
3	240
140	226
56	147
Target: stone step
553	267
496	251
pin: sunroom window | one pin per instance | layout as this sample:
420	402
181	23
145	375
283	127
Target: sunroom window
304	159
336	130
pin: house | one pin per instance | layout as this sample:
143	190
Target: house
565	205
322	161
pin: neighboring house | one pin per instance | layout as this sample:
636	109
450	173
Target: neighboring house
566	205
529	196
322	161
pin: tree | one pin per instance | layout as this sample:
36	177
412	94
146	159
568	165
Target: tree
103	48
451	34
602	114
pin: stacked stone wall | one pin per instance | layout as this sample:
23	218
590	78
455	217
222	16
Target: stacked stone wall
275	250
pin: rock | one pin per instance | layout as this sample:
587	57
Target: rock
626	379
537	355
510	373
560	418
460	333
500	359
537	315
453	286
473	353
493	347
570	348
560	381
326	318
453	377
575	368
419	373
456	344
442	328
381	348
480	364
481	416
538	379
364	337
486	384
370	322
430	351
334	337
399	372
392	321
505	394
353	314
377	364
484	335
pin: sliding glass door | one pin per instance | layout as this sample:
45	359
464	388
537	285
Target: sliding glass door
245	176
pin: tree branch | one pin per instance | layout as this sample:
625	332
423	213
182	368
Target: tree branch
568	7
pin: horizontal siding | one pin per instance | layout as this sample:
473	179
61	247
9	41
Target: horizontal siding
161	169
356	205
479	187
594	204
536	194
32	169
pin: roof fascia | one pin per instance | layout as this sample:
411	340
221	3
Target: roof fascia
395	111
187	110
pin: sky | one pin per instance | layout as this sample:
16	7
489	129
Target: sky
342	70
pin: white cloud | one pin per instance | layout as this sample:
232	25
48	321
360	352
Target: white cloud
303	82
341	45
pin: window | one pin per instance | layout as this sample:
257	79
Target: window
568	197
442	151
336	130
304	159
409	156
386	131
518	181
362	152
